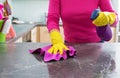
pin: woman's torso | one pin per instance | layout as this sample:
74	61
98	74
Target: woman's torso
77	24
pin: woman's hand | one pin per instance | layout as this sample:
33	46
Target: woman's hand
57	43
105	18
59	47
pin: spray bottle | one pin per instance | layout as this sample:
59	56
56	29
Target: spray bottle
4	28
4	25
104	32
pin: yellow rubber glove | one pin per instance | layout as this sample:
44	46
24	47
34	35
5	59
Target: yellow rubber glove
105	18
57	43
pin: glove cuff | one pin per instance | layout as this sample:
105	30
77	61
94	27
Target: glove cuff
112	17
56	37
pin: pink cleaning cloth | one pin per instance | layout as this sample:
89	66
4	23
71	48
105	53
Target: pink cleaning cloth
49	57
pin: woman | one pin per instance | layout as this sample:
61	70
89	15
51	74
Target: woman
77	25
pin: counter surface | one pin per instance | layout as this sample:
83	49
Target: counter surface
21	30
94	60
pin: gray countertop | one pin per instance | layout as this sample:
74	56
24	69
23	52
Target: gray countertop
93	60
21	30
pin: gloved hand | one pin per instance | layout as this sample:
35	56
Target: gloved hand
57	43
105	18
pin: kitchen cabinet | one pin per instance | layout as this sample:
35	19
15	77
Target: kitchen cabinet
34	35
116	6
113	39
42	34
118	32
39	33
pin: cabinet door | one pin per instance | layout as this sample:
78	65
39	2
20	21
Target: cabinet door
33	35
44	35
113	35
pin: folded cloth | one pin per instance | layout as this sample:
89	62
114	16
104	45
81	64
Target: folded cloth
49	57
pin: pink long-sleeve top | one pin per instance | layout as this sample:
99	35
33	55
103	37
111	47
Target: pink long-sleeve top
75	15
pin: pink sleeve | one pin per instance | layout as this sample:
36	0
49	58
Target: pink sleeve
106	5
53	15
115	23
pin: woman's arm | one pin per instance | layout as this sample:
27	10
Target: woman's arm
53	15
106	5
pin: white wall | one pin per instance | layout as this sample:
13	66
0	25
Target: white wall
30	10
34	10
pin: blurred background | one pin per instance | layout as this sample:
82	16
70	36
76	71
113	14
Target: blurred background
35	11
